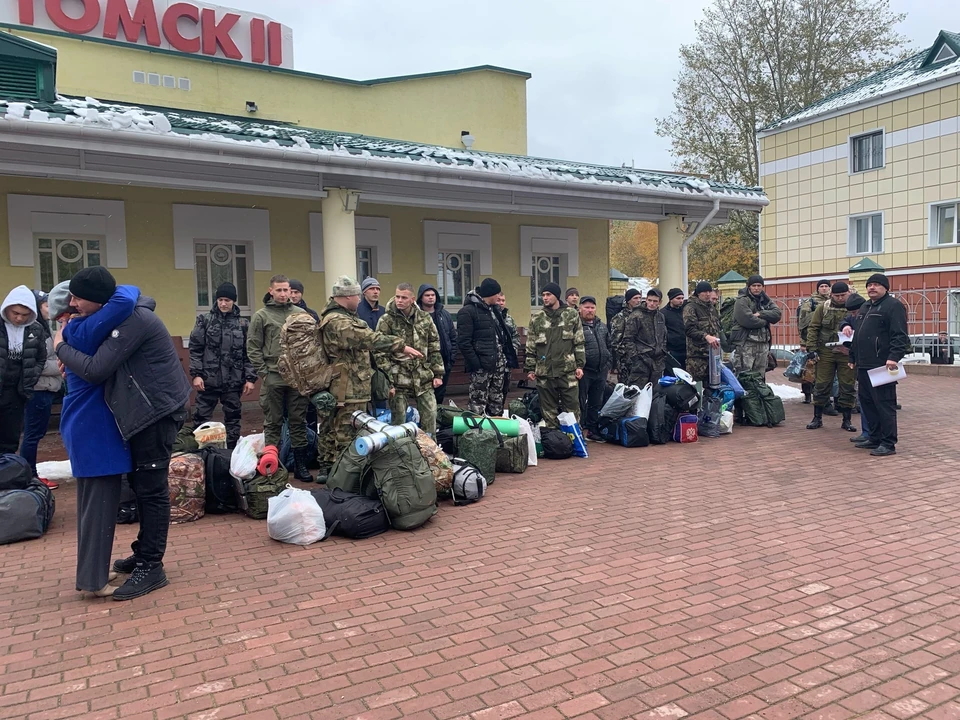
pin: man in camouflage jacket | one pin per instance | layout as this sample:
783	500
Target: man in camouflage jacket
644	343
701	322
412	379
632	300
823	330
753	314
348	341
556	356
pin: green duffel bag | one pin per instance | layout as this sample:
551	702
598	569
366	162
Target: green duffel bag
751	405
514	456
347	472
260	489
446	414
380	386
518	408
403	481
479	446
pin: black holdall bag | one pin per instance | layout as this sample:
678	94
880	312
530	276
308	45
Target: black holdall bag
633	432
657	431
25	513
15	473
557	445
609	429
221	490
682	396
350	515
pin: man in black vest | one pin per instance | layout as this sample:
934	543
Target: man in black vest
596	344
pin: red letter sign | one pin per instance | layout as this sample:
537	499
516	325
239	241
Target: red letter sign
172	33
78	26
143	17
26	12
218	34
275	36
258	39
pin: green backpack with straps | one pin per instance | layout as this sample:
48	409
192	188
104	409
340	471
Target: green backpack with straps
759	405
726	315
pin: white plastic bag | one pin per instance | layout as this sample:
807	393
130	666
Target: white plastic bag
643	401
243	460
525	429
294	516
726	422
620	402
211	434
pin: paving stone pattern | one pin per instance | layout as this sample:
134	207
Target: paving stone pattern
774	574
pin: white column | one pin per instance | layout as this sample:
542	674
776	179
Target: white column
339	234
670	238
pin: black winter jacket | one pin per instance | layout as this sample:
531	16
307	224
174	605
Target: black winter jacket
138	365
480	331
218	350
596	344
881	334
32	359
676	335
445	326
303	306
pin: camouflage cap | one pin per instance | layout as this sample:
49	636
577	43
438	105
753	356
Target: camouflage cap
346	286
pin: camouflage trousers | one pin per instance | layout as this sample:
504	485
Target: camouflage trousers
751	356
699	368
829	365
426	406
556	393
642	371
486	390
336	433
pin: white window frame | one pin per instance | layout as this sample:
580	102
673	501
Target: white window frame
474	279
372	259
933	210
54	237
562	264
943	57
536	240
209	223
851	238
883	152
444	236
371	232
29	215
245	310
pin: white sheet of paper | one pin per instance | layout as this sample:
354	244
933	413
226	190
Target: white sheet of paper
843	338
881	376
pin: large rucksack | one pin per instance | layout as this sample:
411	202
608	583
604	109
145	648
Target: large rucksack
480	445
25	513
759	405
347	471
350	515
557	445
614	307
403	482
532	402
188	494
15	472
304	363
437	460
726	314
222	496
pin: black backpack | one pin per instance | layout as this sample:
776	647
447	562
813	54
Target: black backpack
657	431
614	307
532	401
222	496
350	515
682	396
15	472
557	445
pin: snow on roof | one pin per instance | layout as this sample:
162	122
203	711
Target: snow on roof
89	111
916	70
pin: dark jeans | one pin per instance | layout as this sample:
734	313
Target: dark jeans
441	392
11	418
151	449
879	404
230	399
591	399
36	420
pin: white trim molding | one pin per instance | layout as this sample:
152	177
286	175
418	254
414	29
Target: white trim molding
199	223
467	237
371	232
535	240
31	214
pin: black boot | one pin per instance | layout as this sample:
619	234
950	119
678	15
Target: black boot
322	474
807	398
846	424
831	409
300	471
817	421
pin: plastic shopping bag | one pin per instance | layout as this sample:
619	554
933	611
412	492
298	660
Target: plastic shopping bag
527	431
726	374
726	422
794	371
570	426
295	517
621	402
641	403
243	460
211	434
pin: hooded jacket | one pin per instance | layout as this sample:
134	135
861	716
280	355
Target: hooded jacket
23	348
445	327
218	350
263	336
745	325
418	331
138	364
482	334
881	335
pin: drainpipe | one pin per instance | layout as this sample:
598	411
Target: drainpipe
686	243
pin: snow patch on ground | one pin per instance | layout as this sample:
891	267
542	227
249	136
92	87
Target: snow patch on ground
786	392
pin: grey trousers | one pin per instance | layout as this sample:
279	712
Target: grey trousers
98	499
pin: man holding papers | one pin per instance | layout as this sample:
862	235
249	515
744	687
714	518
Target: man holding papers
881	340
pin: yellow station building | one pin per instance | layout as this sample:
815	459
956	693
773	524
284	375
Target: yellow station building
181	153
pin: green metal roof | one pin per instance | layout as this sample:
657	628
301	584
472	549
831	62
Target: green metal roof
864	265
617	275
732	276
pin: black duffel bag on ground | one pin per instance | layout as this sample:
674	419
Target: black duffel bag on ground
557	445
350	515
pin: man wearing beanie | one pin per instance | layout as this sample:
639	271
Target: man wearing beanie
701	323
370	310
348	341
753	314
483	339
263	349
822	338
644	344
296	299
880	341
146	389
676	337
820	295
632	299
219	365
556	356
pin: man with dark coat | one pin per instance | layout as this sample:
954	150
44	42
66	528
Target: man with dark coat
429	301
296	299
484	341
644	344
219	365
880	341
370	310
632	299
146	389
23	353
596	345
676	335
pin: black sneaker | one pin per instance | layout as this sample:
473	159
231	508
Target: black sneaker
867	445
144	579
883	451
126	565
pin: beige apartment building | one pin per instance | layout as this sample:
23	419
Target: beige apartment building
867	178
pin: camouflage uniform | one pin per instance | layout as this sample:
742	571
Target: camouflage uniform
616	339
485	396
644	346
804	314
555	350
699	320
751	335
412	378
349	341
823	328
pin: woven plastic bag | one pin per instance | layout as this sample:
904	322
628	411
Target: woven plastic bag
295	517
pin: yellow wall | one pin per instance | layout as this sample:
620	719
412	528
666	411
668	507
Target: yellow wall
805	227
490	104
150	254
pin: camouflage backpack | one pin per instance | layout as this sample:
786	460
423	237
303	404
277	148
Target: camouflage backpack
437	459
726	315
304	363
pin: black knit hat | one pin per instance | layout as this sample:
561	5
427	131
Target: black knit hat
702	286
227	290
822	282
840	287
754	279
630	294
489	288
673	292
655	292
553	289
95	284
879	278
296	285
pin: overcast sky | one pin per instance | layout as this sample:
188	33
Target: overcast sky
603	70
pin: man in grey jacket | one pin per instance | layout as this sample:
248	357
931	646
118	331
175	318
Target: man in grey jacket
146	389
753	314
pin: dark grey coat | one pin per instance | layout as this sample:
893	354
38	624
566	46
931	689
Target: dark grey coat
218	350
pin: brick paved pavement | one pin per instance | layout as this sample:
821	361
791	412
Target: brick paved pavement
756	576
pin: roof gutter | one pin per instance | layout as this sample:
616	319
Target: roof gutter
685	276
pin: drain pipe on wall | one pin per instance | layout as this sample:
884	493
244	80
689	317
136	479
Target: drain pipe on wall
686	243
